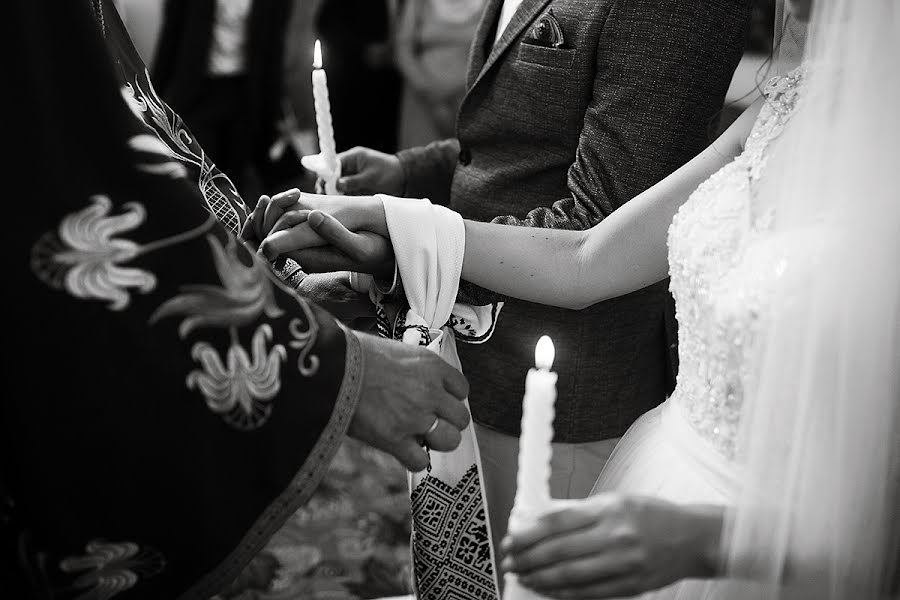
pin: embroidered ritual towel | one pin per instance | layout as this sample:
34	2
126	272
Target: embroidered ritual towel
451	546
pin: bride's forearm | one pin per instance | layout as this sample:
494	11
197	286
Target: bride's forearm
534	264
575	269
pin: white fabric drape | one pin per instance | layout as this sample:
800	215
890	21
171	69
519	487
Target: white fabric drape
451	547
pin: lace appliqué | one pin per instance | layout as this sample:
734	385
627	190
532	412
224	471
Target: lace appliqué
450	540
718	299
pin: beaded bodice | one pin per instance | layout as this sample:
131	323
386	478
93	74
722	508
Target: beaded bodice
720	294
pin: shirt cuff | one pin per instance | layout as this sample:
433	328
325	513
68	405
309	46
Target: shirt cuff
289	272
380	284
362	282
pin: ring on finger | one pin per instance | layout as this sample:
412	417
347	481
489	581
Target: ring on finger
420	438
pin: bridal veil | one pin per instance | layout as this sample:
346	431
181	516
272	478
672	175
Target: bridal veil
820	434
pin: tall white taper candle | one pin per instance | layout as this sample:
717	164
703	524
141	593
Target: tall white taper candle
329	167
535	452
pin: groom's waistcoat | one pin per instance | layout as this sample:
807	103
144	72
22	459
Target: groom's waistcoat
558	131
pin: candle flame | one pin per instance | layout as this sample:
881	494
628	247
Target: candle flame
317	55
544	353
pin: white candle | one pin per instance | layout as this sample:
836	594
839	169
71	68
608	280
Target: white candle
535	452
328	167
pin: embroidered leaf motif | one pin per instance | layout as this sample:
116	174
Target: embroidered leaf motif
246	294
137	105
108	569
240	390
83	256
303	342
162	161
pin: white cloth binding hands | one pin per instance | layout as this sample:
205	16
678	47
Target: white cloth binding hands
416	247
429	244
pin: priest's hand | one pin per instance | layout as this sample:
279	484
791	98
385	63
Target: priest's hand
612	546
367	171
409	396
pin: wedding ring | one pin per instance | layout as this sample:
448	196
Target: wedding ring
434	426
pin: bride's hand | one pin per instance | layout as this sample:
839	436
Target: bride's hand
610	546
354	212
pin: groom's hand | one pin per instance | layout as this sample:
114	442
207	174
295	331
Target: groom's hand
612	546
366	171
318	242
404	389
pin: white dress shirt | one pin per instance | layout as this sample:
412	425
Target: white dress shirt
227	55
506	15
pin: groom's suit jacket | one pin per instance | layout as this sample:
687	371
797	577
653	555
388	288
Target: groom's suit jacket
560	137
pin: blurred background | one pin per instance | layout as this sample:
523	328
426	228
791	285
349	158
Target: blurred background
396	74
238	72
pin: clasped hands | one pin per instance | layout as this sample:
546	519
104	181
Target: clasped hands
411	397
323	233
333	233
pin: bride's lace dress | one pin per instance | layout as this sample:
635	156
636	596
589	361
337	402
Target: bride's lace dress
723	262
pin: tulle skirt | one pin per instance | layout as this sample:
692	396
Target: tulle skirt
661	455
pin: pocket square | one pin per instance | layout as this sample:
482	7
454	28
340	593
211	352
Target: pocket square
547	32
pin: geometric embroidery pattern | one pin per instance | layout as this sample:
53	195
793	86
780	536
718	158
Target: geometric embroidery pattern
450	540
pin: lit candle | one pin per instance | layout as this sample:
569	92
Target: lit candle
535	452
325	164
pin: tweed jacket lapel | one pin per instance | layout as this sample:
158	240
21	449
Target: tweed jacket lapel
484	31
526	13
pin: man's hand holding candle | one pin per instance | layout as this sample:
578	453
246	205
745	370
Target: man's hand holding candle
367	171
